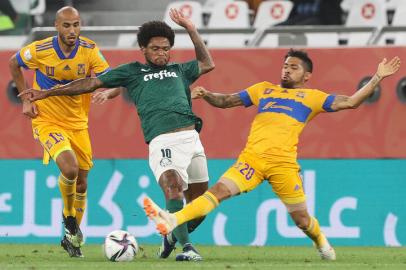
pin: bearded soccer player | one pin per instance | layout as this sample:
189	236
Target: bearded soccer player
60	123
270	153
160	91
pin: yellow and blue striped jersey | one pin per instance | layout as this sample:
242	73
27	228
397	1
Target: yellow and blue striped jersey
281	117
52	67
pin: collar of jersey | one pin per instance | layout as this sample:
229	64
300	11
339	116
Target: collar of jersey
59	51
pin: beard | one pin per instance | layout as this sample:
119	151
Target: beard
155	63
67	42
287	84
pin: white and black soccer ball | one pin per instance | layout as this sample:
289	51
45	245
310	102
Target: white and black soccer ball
120	246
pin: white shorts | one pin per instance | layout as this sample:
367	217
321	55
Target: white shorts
180	151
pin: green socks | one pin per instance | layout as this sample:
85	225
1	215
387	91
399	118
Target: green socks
181	232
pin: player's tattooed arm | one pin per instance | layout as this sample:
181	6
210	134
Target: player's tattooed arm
223	100
216	99
385	69
77	87
203	56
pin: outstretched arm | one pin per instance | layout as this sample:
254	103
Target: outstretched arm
216	99
77	87
385	69
104	95
203	56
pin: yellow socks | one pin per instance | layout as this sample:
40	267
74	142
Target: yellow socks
68	192
314	232
80	206
199	207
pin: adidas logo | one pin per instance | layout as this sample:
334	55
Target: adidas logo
66	67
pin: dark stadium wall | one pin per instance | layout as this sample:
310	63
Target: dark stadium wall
374	130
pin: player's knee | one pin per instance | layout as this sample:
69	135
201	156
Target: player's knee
170	175
70	171
172	185
68	165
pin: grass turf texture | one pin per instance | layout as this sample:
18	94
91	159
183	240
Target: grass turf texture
19	256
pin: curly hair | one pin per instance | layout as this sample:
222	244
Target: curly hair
302	55
152	29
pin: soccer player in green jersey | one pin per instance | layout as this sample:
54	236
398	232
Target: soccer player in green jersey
160	90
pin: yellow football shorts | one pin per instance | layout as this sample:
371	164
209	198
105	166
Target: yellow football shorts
55	139
248	172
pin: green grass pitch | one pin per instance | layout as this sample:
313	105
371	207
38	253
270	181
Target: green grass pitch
19	256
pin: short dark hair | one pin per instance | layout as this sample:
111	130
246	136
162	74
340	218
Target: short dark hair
302	55
152	29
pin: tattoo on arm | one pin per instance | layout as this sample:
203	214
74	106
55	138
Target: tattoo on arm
342	102
375	80
339	100
353	101
77	87
202	53
223	101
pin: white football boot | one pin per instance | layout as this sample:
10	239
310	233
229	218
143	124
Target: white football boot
326	251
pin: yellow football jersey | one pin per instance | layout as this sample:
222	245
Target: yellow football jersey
53	68
282	115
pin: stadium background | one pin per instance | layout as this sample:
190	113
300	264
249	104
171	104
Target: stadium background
354	162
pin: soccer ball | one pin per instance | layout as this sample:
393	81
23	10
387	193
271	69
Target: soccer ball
120	246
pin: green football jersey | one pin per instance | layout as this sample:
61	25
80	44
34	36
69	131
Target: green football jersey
161	94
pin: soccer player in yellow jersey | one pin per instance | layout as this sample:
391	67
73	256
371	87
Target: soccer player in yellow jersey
270	153
60	123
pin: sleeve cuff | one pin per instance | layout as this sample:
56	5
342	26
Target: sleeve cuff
327	104
103	72
245	98
20	61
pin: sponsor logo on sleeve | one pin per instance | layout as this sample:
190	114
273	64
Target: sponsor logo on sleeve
27	55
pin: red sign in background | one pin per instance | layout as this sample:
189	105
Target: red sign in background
375	130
